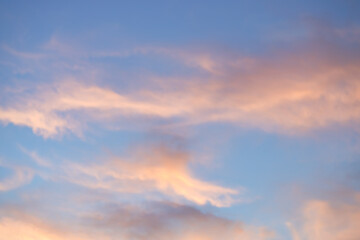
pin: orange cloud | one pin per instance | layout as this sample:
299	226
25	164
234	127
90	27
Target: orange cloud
160	170
20	230
289	93
328	220
158	221
23	226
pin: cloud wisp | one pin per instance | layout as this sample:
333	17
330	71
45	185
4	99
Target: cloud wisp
159	172
18	176
331	220
287	93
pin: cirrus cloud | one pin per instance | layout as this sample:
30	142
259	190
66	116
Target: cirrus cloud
287	93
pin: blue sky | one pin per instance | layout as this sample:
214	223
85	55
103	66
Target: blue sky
184	120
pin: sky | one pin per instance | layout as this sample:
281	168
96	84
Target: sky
182	120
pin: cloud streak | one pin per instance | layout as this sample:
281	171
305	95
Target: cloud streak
159	171
18	176
288	93
147	173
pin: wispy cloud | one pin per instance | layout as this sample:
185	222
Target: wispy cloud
287	93
161	169
146	173
201	60
23	55
328	220
35	157
87	96
18	176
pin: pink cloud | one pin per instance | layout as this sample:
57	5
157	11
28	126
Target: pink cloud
159	170
288	93
19	176
328	220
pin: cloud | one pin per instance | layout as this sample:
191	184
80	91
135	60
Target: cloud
19	225
159	170
42	123
19	230
290	92
149	171
18	176
328	220
160	221
156	221
50	112
23	55
35	157
196	59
